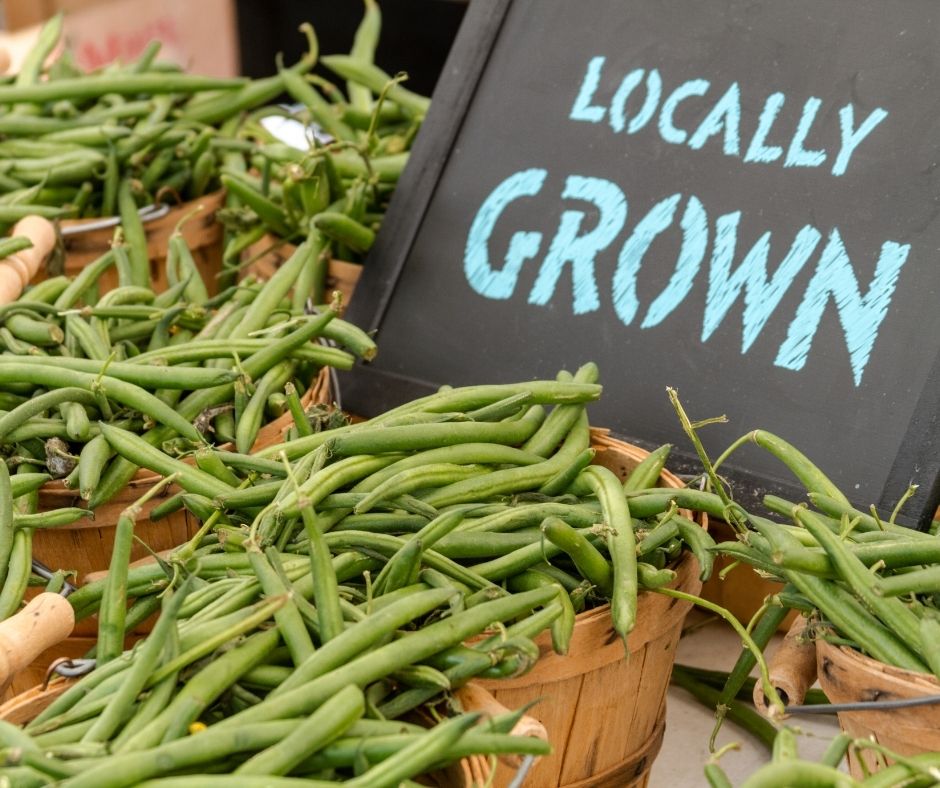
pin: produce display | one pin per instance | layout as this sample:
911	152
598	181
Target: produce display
121	141
355	571
346	589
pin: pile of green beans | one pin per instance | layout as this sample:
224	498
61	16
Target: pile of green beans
863	580
108	143
241	675
384	563
75	144
860	579
179	369
786	768
335	193
477	488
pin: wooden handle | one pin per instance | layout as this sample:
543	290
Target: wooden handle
473	697
792	668
45	621
17	270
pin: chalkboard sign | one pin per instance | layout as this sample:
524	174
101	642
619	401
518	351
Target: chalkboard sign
738	199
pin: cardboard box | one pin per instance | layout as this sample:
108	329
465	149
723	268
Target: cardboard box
201	37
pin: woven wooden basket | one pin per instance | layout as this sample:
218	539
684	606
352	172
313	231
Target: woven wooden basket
86	545
86	240
848	676
604	712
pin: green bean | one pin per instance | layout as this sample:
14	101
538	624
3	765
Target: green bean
589	561
361	636
864	521
78	691
269	211
565	477
738	712
513	480
6	522
809	475
241	781
802	773
76	420
345	230
621	546
331	478
40	403
17	575
287	618
91	343
114	600
417	757
376	80
651	577
145	660
36	332
212	349
542	392
326	724
126	393
562	628
460	454
130	768
84	281
891	611
533	514
363	49
649	502
699	542
54	518
648	471
48	290
248	424
766	627
201	691
89	87
853	620
919	581
45	43
423	477
136	449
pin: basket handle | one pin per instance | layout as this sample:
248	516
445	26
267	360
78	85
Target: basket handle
473	697
792	667
47	620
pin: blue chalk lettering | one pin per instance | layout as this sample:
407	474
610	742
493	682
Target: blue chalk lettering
861	317
583	109
618	104
694	240
568	247
630	258
654	91
667	128
761	296
797	156
757	150
724	116
522	246
852	139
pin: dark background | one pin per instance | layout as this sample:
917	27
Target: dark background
416	34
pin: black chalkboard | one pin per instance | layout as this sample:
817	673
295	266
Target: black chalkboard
738	199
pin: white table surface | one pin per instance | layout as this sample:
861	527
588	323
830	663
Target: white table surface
689	724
